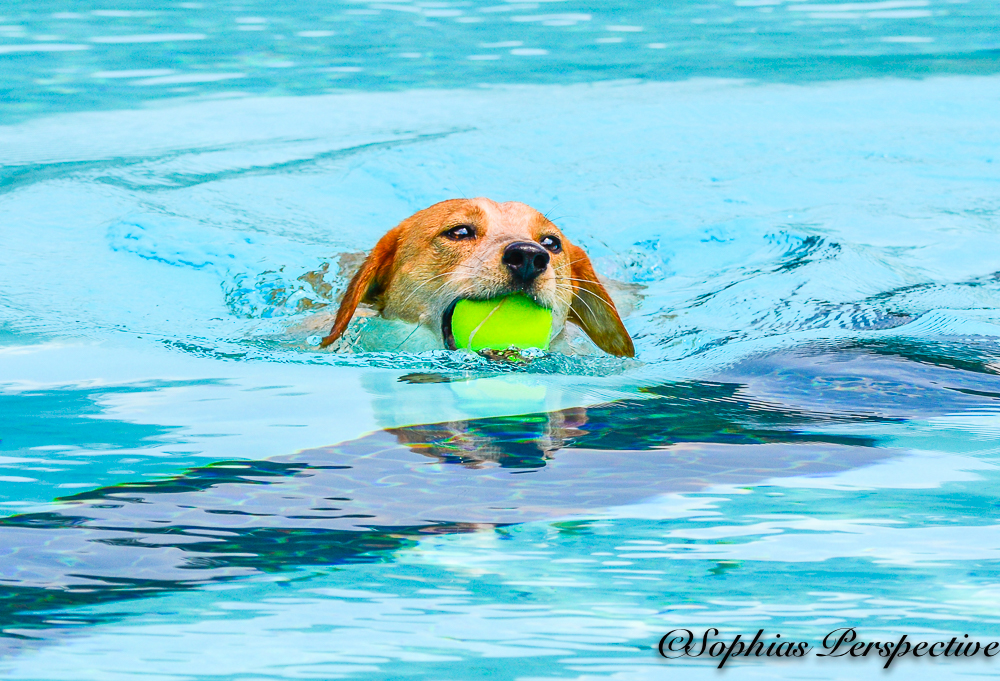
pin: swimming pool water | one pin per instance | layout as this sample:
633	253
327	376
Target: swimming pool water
802	196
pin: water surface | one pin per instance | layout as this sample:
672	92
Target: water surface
804	196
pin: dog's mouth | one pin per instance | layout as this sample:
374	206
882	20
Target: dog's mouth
446	332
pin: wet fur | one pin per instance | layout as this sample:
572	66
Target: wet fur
415	272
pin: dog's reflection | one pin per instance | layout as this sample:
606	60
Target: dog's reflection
365	499
709	415
515	442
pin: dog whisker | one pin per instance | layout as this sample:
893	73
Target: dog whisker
429	280
585	290
408	337
582	300
587	305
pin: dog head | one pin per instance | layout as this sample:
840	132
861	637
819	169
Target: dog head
478	249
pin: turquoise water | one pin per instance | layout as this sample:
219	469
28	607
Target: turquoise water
802	198
100	56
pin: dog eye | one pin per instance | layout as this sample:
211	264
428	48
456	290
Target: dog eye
461	232
551	243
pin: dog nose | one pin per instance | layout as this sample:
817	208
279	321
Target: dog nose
525	260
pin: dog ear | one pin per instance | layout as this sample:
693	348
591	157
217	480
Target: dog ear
592	309
369	282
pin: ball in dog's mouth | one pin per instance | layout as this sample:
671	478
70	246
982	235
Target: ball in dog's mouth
496	324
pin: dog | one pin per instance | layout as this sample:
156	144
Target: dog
479	249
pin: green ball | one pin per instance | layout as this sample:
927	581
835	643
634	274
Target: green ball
501	323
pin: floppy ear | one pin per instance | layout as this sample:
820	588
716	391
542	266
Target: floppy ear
369	282
593	310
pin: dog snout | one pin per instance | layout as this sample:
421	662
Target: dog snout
525	260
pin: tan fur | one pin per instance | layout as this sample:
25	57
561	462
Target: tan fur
415	272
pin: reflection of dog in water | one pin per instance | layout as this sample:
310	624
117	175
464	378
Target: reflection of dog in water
521	442
479	249
363	500
685	435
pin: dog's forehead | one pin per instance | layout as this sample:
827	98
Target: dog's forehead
511	216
